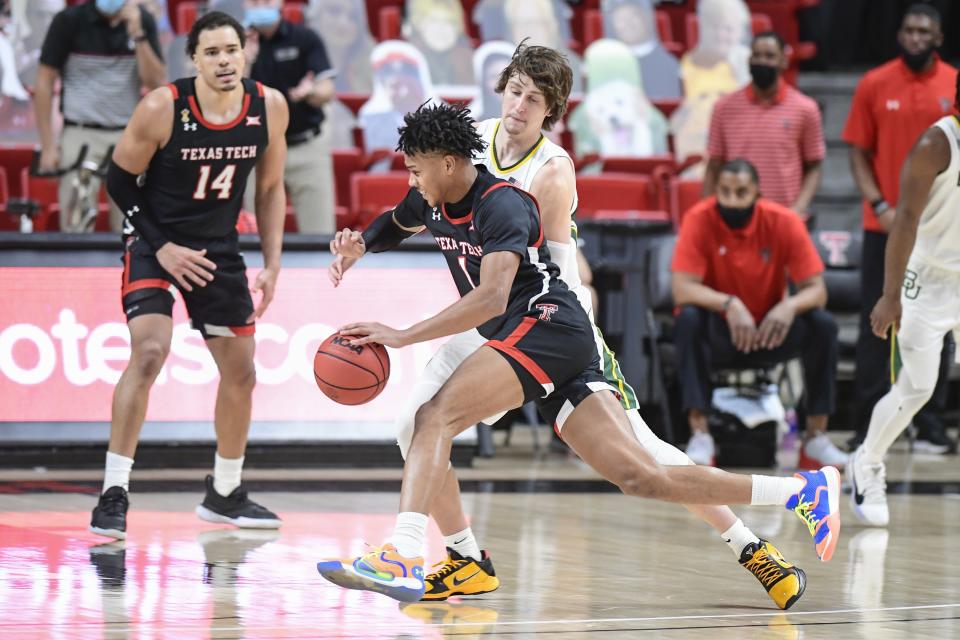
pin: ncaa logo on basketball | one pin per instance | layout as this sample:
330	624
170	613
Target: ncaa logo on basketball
345	342
546	311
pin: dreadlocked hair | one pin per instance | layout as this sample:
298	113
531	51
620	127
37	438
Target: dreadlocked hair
442	128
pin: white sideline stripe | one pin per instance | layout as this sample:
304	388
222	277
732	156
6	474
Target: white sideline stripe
420	625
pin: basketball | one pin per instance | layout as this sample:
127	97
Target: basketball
350	374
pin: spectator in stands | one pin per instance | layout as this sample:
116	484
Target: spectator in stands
436	28
616	118
716	66
634	23
730	267
104	52
774	126
291	58
401	83
892	106
342	24
489	61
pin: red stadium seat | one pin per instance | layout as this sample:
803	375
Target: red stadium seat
44	192
374	193
593	30
373	14
346	162
353	101
187	13
8	221
621	196
14	158
683	195
388	23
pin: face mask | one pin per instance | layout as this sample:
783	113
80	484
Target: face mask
262	16
110	7
735	217
916	61
764	76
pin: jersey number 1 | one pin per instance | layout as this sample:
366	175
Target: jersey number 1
222	183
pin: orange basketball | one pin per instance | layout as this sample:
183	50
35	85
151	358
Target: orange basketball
350	374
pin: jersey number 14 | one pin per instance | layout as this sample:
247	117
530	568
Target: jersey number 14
223	183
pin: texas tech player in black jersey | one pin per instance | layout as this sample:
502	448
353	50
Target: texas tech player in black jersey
195	183
540	348
178	174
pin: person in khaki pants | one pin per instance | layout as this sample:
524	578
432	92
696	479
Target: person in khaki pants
292	58
103	52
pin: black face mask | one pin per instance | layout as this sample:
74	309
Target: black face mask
764	76
736	217
916	61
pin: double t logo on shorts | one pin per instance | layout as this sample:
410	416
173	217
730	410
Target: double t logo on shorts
546	311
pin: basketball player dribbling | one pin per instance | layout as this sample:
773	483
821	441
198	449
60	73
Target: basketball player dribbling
491	236
534	88
196	141
919	304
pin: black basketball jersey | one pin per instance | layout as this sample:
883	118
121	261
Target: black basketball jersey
494	216
194	185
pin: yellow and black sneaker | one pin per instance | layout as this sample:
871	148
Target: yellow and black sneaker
783	581
459	576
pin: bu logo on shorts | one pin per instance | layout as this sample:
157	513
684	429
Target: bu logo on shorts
910	287
546	311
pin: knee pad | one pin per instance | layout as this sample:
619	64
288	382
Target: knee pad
664	453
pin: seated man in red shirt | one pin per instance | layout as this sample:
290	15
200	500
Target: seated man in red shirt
730	267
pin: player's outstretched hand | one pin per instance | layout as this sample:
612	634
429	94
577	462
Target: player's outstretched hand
339	267
188	266
374	332
885	313
266	282
348	244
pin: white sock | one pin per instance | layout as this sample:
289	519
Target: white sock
770	490
117	471
226	474
409	532
464	543
738	537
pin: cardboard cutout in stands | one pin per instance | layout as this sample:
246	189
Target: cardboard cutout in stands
401	83
634	23
23	26
541	22
342	24
716	66
437	29
616	118
489	61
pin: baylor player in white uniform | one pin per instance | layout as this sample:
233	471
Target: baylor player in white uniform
535	87
920	303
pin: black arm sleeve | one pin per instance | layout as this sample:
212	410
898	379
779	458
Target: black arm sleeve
122	187
384	233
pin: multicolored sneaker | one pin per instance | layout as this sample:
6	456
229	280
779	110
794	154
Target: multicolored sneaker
382	570
783	581
459	576
818	505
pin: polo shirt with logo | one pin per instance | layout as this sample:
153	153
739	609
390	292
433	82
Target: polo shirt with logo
891	108
753	263
776	135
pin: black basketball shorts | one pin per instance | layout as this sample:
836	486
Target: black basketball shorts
552	350
219	309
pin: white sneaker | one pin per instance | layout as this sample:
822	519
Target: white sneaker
868	490
819	451
701	449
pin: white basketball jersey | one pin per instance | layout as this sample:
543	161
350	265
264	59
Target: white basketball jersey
522	174
938	236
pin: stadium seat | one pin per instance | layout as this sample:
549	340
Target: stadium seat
620	196
389	21
346	162
187	12
683	195
374	193
44	192
8	222
14	158
593	30
373	15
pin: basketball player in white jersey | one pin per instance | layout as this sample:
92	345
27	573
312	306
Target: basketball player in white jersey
920	303
535	86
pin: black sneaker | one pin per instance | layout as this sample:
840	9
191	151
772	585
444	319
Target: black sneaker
236	509
110	514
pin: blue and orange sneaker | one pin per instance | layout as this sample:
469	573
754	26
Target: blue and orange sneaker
818	505
382	570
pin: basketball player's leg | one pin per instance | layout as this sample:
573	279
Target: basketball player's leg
596	429
234	360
